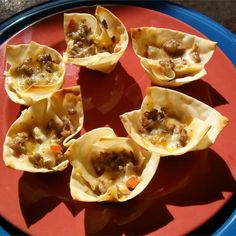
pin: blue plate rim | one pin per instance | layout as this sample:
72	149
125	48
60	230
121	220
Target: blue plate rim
213	30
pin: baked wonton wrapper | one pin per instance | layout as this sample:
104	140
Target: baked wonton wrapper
108	168
172	123
96	42
36	71
37	140
171	58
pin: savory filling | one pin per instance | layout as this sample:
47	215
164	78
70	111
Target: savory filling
116	168
173	48
173	56
39	70
162	130
195	54
43	146
83	42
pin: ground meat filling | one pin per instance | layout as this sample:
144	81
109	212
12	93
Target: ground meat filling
51	137
83	43
25	68
160	129
183	135
67	128
44	58
112	162
167	64
62	129
173	47
18	143
54	125
39	161
80	33
33	71
151	118
46	62
172	58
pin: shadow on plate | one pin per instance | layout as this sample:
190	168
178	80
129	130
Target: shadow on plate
106	97
40	193
204	92
193	179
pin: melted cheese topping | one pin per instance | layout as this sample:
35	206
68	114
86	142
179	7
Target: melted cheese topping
83	43
35	71
165	131
175	60
40	144
107	180
115	169
112	171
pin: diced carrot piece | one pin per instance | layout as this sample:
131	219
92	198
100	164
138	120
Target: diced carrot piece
56	148
132	182
72	26
117	48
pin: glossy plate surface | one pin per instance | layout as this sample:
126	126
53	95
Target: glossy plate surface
185	192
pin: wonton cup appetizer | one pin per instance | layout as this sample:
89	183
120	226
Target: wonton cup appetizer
94	42
172	123
171	58
37	140
108	168
36	71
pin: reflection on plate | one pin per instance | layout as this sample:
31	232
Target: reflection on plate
185	192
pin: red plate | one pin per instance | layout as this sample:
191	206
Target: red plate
186	190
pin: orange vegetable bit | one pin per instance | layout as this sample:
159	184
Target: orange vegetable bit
56	148
117	48
132	182
72	26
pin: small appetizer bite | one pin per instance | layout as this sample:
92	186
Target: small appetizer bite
172	123
36	71
108	168
94	42
171	58
37	140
